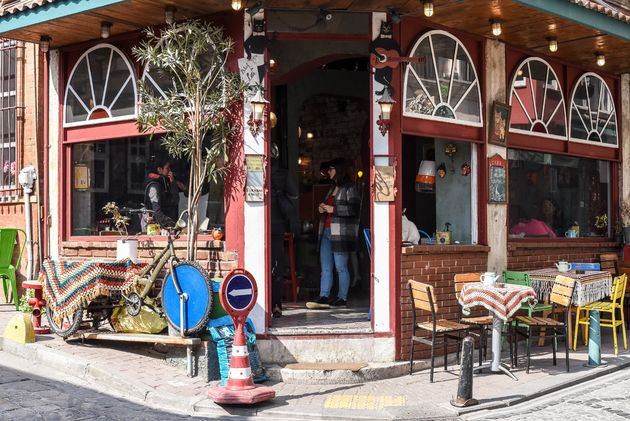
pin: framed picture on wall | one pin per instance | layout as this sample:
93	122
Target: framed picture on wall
497	179
499	124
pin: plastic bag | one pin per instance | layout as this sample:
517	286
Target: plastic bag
148	321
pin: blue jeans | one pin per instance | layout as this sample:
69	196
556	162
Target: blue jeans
340	261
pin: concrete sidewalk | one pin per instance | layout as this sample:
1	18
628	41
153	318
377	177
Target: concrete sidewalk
140	372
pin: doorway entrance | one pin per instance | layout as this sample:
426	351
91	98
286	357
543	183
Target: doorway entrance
322	112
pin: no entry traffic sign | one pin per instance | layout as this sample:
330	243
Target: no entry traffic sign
238	292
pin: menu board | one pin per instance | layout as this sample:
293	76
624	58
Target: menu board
497	179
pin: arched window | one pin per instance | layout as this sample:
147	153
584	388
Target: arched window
593	117
102	87
537	100
443	85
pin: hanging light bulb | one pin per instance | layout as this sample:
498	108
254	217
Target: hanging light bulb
601	58
237	5
553	44
496	27
428	8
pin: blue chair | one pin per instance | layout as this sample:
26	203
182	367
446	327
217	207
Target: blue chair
585	266
423	233
368	244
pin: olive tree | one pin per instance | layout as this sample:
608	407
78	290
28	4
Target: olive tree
189	93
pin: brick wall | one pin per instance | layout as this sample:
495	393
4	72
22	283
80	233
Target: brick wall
436	266
211	255
526	255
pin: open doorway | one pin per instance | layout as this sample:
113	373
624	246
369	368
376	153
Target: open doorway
322	112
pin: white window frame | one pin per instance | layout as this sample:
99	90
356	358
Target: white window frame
475	83
610	97
131	79
561	105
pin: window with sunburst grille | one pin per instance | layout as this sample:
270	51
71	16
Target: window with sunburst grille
102	87
593	118
443	84
537	101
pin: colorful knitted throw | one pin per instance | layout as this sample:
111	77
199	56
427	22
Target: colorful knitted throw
70	285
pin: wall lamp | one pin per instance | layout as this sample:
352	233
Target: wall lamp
237	5
258	112
553	44
169	14
105	29
44	43
496	27
427	6
600	59
386	102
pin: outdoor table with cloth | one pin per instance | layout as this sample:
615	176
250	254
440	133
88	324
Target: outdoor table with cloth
502	300
592	285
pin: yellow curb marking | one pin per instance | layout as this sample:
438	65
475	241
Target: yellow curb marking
363	401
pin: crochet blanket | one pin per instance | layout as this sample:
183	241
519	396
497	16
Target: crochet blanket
70	285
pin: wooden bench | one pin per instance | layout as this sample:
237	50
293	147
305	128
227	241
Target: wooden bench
189	343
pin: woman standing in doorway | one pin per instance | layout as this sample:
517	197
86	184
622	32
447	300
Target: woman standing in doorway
337	234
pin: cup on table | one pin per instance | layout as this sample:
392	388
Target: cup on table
563	266
571	234
489	278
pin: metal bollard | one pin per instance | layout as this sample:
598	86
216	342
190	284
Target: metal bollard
594	341
465	385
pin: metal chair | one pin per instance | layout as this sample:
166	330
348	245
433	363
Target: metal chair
423	298
610	306
8	241
561	295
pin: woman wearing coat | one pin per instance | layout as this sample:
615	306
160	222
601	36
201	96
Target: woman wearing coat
337	234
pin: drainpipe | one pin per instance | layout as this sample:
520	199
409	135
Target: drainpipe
27	179
46	141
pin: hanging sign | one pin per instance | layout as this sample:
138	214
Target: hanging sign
254	188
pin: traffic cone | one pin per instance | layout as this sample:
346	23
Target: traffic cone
240	387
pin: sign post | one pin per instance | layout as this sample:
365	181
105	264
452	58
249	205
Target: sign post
238	296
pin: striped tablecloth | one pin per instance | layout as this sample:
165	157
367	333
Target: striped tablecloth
503	300
592	285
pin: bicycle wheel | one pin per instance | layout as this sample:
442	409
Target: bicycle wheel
195	282
68	325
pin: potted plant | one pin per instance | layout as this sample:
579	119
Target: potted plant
126	248
625	220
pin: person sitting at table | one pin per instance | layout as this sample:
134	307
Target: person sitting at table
530	227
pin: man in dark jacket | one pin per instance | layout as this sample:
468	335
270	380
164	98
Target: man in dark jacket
161	193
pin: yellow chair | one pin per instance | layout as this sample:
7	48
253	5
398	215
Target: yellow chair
615	303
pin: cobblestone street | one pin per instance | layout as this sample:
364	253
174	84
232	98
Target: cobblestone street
603	398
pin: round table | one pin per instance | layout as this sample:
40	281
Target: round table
502	300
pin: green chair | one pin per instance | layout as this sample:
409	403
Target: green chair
8	242
522	278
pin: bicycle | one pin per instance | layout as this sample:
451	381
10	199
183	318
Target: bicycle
186	292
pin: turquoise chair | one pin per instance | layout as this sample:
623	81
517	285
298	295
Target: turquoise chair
8	242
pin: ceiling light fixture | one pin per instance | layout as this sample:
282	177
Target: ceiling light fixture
496	27
169	14
601	58
105	29
553	44
237	5
44	43
427	6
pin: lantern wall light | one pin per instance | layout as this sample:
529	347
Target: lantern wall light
259	103
600	58
44	43
386	102
169	14
427	7
105	29
496	27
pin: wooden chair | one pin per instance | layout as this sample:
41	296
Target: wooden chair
423	298
609	306
482	323
608	263
561	295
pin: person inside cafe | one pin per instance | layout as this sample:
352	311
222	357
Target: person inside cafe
337	234
161	193
534	227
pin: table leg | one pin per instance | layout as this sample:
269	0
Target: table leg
496	365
